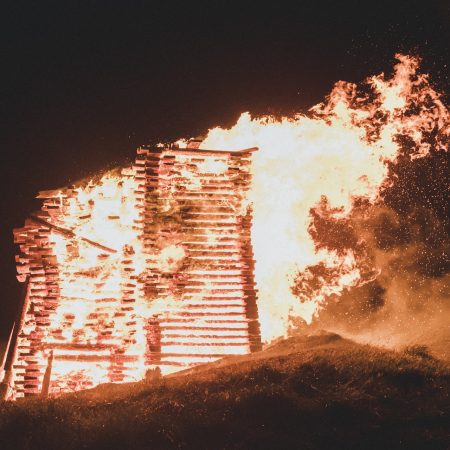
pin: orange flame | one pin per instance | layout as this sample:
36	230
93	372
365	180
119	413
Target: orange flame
340	152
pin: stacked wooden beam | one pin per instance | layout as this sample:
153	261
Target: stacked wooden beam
37	263
173	289
195	200
79	309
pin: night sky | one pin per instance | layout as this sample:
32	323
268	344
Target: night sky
84	83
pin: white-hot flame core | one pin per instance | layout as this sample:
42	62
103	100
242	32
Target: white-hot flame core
340	153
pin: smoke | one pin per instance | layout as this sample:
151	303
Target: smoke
402	246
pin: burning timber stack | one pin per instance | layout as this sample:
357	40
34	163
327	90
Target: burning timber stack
150	267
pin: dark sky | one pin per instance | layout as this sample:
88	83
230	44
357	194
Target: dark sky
84	83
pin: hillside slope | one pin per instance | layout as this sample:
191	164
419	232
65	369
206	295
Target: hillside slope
306	392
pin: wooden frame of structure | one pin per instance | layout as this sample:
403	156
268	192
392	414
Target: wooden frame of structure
189	201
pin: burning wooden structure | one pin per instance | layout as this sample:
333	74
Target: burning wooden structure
151	267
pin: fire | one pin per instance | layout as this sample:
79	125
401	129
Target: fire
339	152
152	265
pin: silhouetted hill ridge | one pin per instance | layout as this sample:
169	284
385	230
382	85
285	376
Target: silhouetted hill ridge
309	392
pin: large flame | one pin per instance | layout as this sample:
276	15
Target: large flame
324	162
339	152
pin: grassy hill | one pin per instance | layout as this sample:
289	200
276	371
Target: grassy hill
306	392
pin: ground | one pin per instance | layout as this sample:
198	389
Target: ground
308	392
